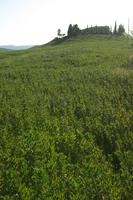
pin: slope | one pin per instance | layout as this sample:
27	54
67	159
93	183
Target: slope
66	120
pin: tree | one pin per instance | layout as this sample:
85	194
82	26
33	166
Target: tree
76	30
59	32
70	28
115	29
73	30
121	29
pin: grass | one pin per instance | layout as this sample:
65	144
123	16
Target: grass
66	116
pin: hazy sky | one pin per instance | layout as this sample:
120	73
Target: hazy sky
36	21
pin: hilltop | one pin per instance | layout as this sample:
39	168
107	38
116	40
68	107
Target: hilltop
66	120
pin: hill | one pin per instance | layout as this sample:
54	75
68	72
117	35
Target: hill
66	115
13	47
3	50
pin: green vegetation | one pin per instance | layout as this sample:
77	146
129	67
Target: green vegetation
74	30
3	50
66	114
120	31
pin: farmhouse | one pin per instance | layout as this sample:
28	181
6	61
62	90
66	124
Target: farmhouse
96	30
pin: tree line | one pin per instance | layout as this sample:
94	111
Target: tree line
74	30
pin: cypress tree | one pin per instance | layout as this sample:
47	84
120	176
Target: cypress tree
70	29
121	29
115	29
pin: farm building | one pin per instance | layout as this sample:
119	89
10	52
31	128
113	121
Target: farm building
96	30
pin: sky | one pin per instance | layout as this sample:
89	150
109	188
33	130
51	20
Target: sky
34	22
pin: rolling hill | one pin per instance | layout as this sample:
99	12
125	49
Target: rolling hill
66	113
3	50
13	47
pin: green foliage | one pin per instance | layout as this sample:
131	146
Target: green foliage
66	115
69	30
73	30
115	29
121	29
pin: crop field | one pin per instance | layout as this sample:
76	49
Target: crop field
66	120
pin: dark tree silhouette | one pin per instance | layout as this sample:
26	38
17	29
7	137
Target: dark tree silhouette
73	30
59	32
115	29
121	29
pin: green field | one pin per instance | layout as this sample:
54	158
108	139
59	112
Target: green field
66	121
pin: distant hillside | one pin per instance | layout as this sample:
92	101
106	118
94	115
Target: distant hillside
13	47
3	49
